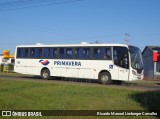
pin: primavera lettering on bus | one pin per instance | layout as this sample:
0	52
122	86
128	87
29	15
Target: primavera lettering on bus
67	63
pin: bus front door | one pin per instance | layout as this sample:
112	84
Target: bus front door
123	74
121	60
123	66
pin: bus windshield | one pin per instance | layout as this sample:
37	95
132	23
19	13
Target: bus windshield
136	58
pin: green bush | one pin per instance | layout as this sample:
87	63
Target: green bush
1	67
10	67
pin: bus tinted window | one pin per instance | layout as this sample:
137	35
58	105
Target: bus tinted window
26	53
69	52
115	56
47	53
102	53
106	53
121	58
38	52
50	53
62	53
19	52
54	52
85	53
22	52
97	53
77	53
32	52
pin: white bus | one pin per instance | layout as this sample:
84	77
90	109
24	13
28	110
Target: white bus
103	62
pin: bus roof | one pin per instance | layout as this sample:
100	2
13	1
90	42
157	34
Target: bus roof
71	45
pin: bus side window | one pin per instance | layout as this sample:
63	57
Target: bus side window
26	52
55	51
62	53
32	52
97	53
22	53
19	52
38	52
69	53
46	53
106	53
86	53
77	53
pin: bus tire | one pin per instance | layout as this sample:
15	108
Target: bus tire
45	74
105	78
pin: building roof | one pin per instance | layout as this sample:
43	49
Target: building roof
152	48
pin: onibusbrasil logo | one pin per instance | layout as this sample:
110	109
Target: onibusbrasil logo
44	62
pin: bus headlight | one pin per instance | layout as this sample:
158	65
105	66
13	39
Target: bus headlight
133	72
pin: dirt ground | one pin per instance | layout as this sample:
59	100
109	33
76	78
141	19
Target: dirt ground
148	85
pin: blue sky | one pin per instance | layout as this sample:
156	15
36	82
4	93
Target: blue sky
105	21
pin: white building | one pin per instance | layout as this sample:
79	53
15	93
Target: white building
6	61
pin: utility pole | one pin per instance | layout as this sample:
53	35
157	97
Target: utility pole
126	38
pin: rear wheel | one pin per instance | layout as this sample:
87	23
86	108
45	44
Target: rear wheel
45	74
105	78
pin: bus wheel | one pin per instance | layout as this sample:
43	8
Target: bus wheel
45	74
105	78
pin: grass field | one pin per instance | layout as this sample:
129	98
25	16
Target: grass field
29	95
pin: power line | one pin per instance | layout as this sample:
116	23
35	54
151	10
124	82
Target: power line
17	4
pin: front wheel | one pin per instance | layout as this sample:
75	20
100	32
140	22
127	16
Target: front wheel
45	74
105	78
